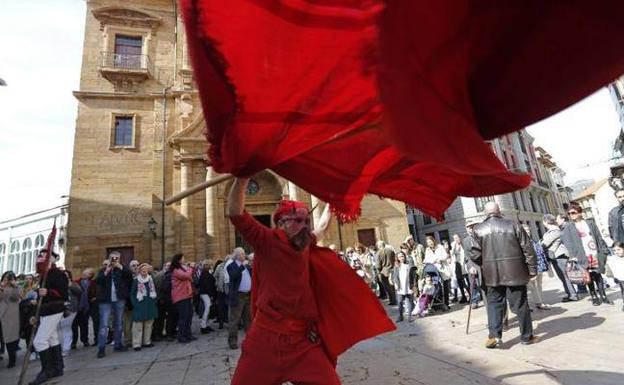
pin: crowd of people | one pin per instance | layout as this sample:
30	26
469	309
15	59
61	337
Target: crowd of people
132	306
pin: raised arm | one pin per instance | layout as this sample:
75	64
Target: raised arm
236	199
321	227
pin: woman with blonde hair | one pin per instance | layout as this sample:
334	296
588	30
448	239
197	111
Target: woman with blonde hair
436	254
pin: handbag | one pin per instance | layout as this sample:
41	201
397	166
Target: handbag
577	274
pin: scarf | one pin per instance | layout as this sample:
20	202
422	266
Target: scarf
142	289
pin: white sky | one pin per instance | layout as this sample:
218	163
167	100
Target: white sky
40	58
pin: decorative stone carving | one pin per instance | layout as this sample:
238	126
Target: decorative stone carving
126	17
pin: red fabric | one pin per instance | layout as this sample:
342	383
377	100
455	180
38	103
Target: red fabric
43	261
286	207
347	97
270	358
313	285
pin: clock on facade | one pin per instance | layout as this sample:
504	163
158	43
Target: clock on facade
253	187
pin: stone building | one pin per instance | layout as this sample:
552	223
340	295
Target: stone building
597	200
517	152
140	135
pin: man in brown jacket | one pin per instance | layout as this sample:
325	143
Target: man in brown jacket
507	259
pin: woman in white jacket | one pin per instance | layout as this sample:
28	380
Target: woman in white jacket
437	255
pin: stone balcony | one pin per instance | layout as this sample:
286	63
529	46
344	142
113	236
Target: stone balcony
124	69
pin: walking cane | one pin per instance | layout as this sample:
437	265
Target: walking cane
470	291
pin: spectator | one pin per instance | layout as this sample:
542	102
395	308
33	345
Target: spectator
86	304
113	291
504	252
143	296
385	264
458	254
182	295
9	314
404	279
239	296
616	218
163	302
207	294
558	255
535	285
133	266
74	293
436	254
616	263
220	275
585	245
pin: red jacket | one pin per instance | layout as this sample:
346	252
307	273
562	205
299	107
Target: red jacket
181	284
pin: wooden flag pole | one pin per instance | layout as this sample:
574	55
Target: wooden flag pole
198	187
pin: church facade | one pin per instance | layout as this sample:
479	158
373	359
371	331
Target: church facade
140	136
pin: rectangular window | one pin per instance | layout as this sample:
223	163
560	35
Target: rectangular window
426	219
124	131
128	51
444	236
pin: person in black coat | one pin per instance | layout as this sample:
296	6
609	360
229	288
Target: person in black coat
207	286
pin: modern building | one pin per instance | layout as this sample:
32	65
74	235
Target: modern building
140	137
546	194
21	239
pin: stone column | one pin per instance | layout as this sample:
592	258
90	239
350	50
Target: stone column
210	206
199	215
292	191
185	178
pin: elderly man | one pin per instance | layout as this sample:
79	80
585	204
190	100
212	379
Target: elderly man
385	265
239	273
505	253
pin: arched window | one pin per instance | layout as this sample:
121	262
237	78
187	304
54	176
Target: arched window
2	257
13	256
26	256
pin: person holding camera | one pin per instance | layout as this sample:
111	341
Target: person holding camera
182	295
9	314
112	294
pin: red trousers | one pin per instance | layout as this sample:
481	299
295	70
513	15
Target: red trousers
271	358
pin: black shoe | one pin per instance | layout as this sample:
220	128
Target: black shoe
463	300
566	299
73	347
193	338
46	372
101	353
596	301
137	349
148	346
120	349
399	319
205	330
233	345
220	326
56	361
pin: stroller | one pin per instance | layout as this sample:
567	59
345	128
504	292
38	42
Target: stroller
437	301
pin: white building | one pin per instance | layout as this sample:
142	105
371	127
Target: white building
597	200
21	239
546	194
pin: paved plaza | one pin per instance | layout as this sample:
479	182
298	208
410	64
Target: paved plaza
581	344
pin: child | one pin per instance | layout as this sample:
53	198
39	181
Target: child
616	264
426	295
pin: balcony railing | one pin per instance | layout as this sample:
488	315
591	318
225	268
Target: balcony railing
124	61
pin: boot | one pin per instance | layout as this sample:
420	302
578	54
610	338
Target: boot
595	300
45	374
11	348
57	361
603	294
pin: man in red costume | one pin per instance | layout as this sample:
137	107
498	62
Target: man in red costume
297	290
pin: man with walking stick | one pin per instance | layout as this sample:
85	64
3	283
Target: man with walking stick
505	253
52	293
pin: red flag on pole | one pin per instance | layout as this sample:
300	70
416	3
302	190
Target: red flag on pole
43	259
393	98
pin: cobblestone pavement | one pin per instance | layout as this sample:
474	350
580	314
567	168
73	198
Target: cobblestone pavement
581	344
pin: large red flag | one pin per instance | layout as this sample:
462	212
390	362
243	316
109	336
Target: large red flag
43	259
292	86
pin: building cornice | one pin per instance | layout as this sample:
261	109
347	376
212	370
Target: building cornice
81	95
